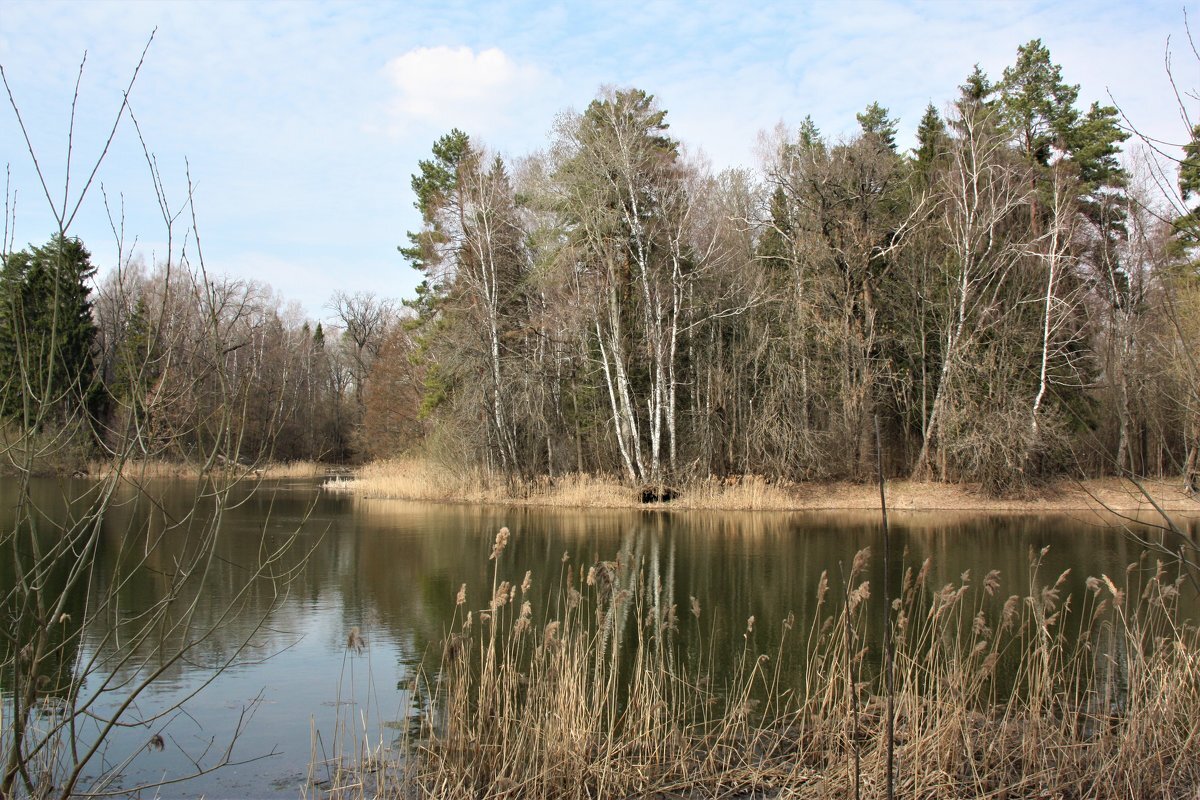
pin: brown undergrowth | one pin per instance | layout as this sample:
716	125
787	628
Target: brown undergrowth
589	692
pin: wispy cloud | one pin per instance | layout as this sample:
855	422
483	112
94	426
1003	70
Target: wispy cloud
302	122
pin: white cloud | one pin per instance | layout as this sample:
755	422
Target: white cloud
455	86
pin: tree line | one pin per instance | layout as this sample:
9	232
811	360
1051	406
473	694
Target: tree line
1010	299
1007	298
173	364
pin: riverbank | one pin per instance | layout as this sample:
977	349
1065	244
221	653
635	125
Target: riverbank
415	479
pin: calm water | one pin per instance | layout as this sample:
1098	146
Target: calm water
391	569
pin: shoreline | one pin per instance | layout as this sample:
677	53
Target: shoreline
416	480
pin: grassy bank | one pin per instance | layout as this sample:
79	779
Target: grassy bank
1000	691
416	479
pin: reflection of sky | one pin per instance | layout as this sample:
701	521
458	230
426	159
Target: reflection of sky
392	569
296	679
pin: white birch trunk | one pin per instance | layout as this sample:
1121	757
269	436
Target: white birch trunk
618	417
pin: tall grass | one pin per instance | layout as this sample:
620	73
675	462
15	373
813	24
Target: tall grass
408	479
417	478
423	479
159	468
591	691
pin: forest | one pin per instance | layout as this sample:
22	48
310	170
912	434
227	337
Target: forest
1012	299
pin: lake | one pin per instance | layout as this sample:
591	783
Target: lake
390	570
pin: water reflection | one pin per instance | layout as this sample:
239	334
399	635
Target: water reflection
392	569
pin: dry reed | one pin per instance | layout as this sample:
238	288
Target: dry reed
423	479
588	693
159	468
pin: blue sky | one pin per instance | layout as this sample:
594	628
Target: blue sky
303	122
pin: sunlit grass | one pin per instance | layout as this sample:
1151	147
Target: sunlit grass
161	468
420	479
424	479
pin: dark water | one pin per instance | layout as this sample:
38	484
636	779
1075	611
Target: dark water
392	569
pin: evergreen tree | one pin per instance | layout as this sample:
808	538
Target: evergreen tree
1094	149
1187	225
977	88
1094	146
932	144
47	333
1189	167
878	126
1039	110
809	137
434	183
774	245
135	368
1037	105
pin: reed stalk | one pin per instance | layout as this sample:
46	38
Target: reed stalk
587	690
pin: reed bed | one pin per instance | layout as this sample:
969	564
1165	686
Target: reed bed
406	479
421	479
589	691
416	478
161	468
293	469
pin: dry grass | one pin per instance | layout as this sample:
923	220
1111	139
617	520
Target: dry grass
418	479
414	479
293	469
157	468
587	693
144	470
743	493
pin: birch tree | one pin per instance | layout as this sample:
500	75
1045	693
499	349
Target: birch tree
472	252
980	191
616	180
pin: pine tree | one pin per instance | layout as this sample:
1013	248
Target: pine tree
1037	105
876	124
1039	109
434	183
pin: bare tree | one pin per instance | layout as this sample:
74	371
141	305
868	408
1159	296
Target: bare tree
982	189
366	319
71	677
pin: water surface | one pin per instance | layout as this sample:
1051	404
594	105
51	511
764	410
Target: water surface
390	570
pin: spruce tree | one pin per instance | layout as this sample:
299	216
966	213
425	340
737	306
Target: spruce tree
47	333
932	145
977	88
1187	225
808	138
